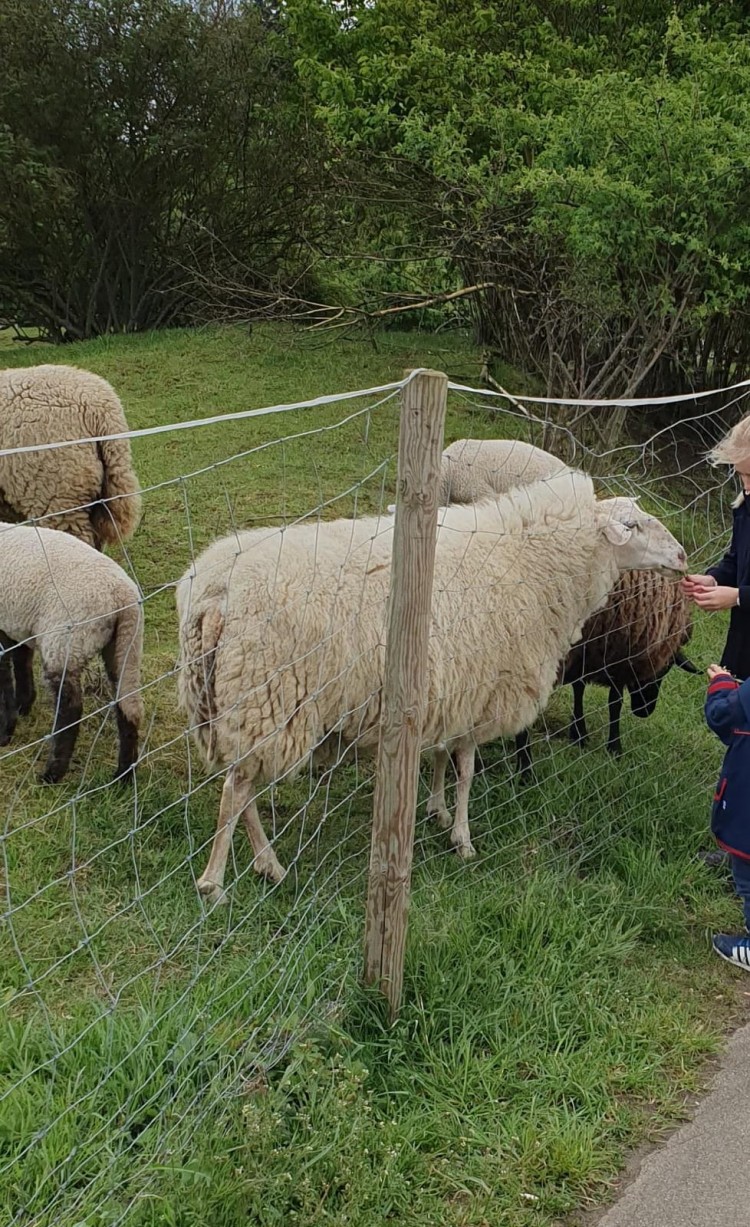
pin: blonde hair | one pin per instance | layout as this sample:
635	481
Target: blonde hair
734	448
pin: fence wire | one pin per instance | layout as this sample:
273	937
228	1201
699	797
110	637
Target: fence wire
134	1009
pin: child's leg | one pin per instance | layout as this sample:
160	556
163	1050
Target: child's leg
741	875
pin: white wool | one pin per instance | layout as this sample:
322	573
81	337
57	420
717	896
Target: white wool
282	632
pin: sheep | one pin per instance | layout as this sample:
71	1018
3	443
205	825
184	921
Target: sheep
90	491
473	469
67	600
631	644
282	636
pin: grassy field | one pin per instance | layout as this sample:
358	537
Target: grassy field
166	1065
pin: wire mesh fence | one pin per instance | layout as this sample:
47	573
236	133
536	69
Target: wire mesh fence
135	1007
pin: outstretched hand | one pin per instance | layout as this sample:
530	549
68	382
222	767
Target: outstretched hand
714	670
695	583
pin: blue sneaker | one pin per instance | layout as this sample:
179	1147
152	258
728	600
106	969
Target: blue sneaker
734	948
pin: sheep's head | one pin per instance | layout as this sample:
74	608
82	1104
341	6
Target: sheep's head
640	542
644	695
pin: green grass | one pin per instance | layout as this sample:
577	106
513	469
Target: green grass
170	1066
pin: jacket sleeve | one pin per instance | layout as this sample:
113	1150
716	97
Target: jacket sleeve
725	572
723	709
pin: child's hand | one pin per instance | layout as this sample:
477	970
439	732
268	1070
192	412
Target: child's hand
694	583
715	597
713	670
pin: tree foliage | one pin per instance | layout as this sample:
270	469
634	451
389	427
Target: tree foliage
590	161
145	145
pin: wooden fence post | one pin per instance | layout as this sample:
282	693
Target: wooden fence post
423	406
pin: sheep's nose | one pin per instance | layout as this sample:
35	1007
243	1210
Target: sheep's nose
682	557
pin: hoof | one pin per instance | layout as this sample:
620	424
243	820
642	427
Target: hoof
441	816
467	852
126	778
267	866
210	891
51	775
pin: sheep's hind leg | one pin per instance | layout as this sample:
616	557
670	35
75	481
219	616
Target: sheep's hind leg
68	700
436	806
23	670
127	731
234	797
460	837
8	707
265	861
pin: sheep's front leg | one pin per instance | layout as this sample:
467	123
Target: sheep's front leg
578	732
460	838
68	699
265	861
234	797
523	756
614	745
436	807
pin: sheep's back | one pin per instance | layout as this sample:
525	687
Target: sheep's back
60	590
301	650
473	469
50	404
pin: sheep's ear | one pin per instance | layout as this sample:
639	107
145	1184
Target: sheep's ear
616	532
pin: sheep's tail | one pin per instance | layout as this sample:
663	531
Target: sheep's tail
199	640
126	653
117	515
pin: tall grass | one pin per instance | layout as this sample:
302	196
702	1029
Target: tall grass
166	1065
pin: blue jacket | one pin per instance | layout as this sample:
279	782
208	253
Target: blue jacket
728	715
734	572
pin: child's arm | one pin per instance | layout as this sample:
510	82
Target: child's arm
723	710
725	572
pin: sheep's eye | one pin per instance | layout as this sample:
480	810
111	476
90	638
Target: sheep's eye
633	525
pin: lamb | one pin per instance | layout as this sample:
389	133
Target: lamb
90	490
282	636
631	644
62	597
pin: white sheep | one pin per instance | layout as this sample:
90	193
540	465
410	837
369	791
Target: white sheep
63	598
282	635
88	490
475	469
629	644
